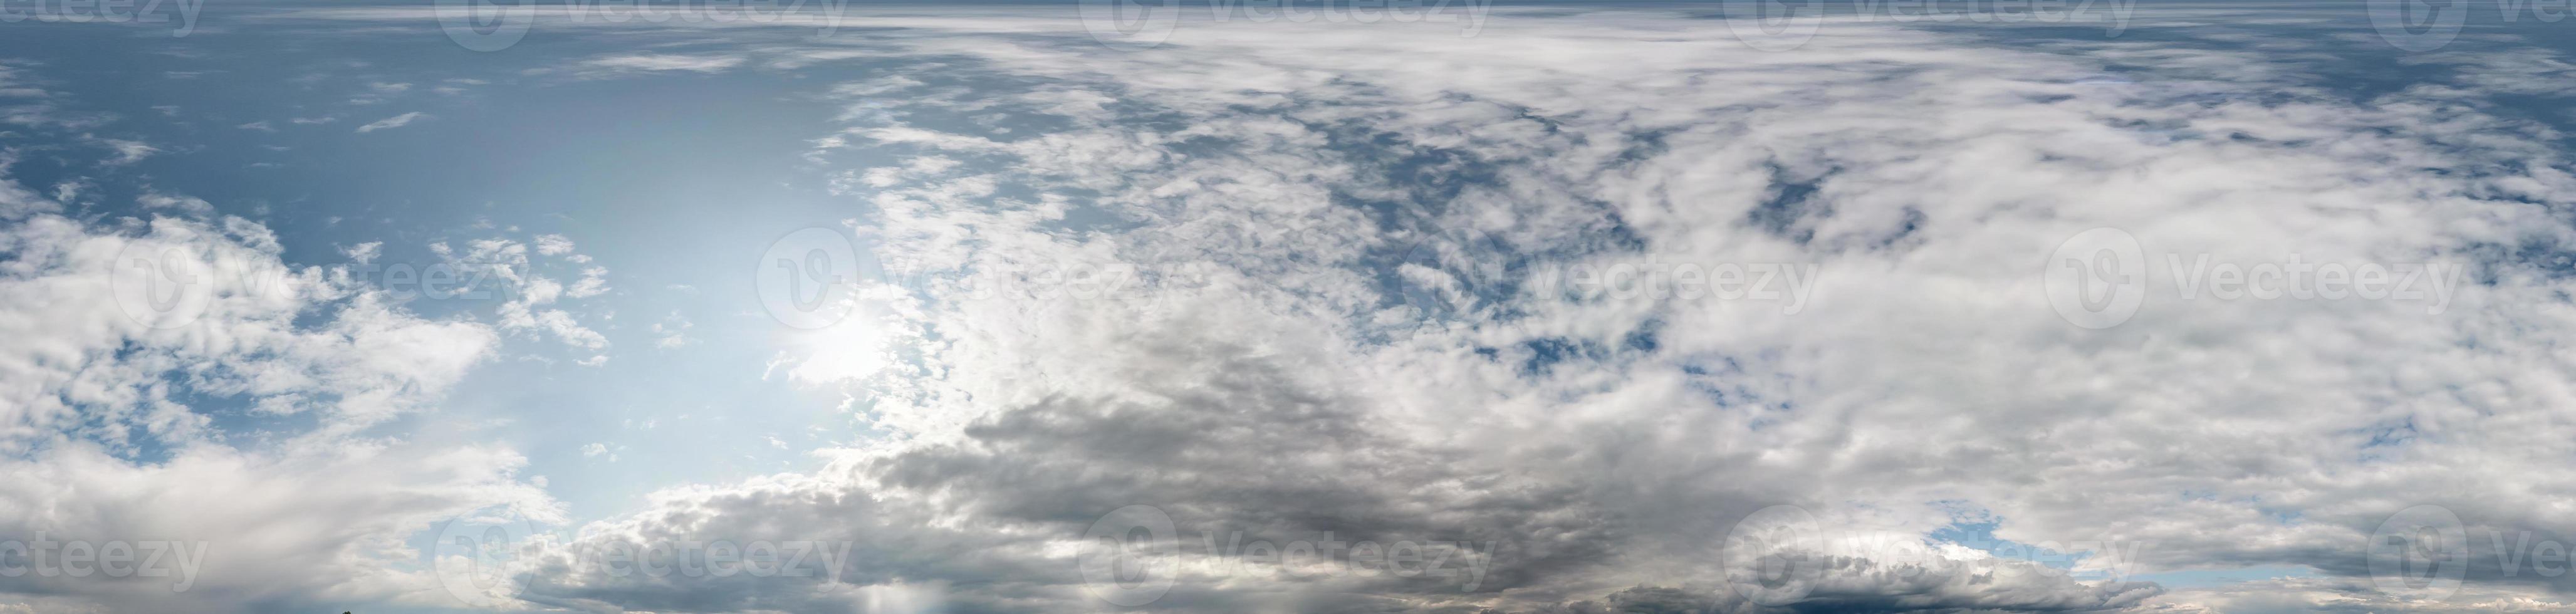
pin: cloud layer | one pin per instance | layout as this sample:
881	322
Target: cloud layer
1270	291
1332	318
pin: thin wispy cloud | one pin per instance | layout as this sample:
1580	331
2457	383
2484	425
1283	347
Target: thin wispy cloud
657	62
397	121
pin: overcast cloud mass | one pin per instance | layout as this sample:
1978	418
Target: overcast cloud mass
1362	307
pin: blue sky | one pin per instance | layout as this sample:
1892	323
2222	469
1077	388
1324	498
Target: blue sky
656	177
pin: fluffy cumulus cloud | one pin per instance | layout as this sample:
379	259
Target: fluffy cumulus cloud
130	340
1336	317
188	421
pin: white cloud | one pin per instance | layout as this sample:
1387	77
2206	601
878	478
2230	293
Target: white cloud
397	121
553	245
326	520
128	152
672	332
531	290
593	282
185	204
656	62
364	253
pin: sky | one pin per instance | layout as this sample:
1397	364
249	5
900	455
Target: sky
1438	306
